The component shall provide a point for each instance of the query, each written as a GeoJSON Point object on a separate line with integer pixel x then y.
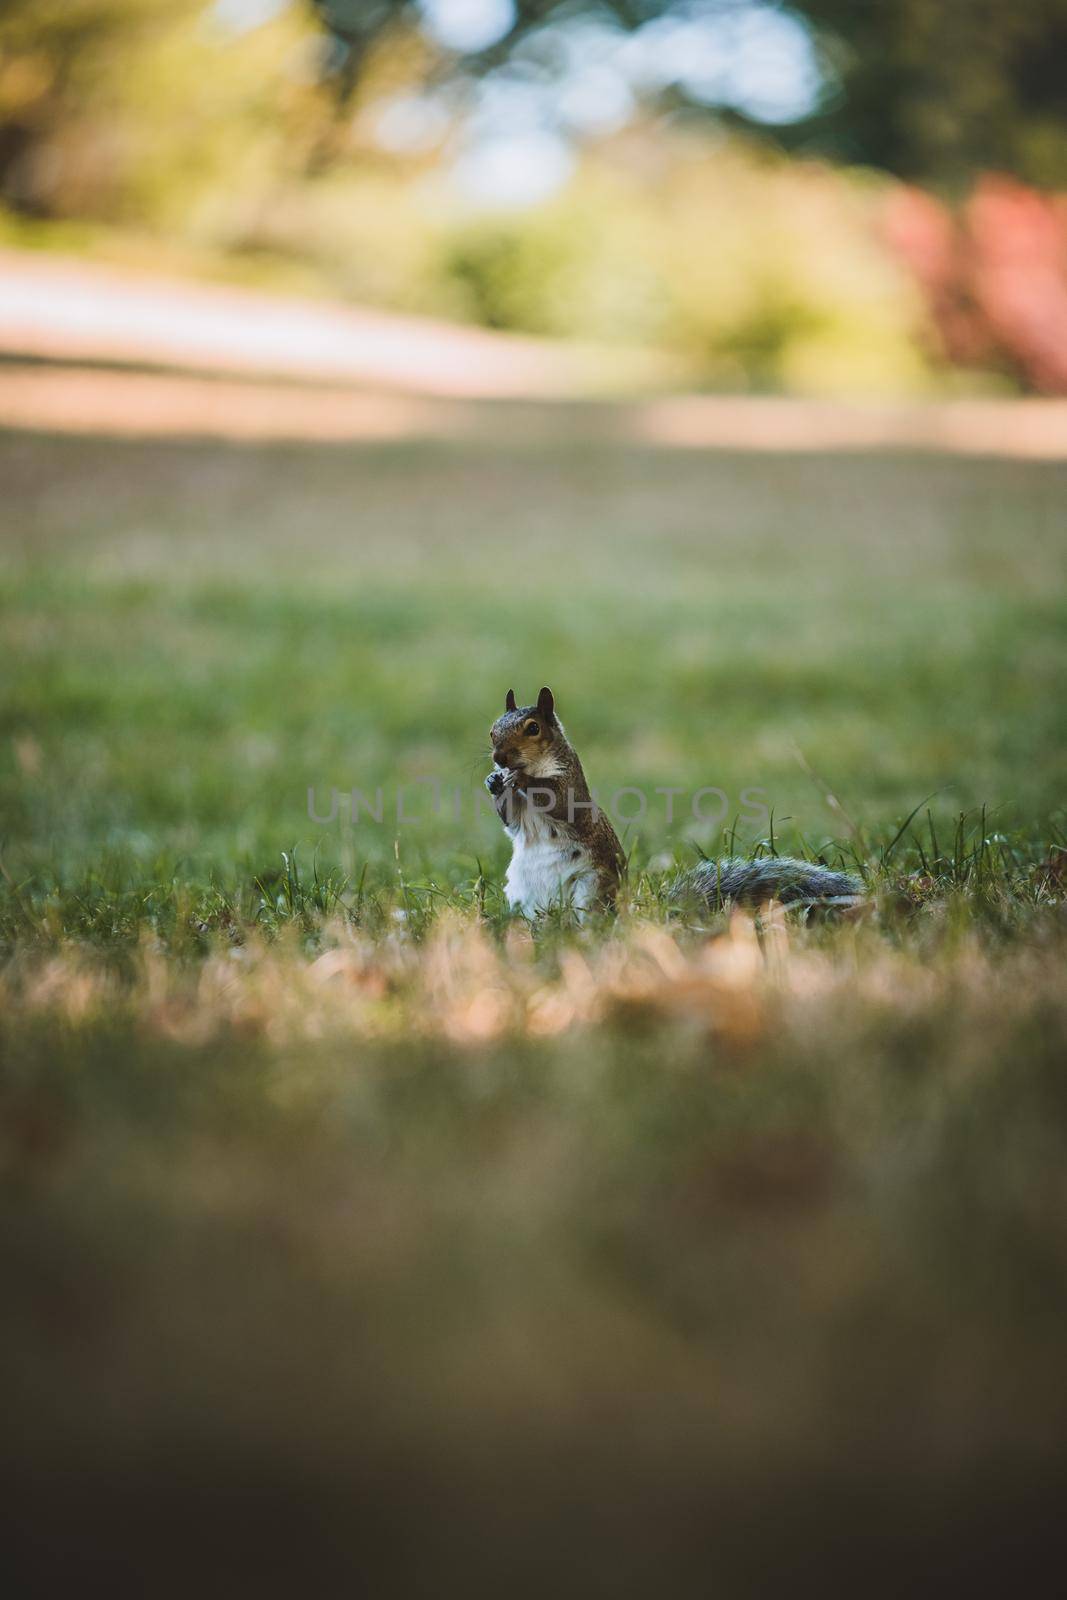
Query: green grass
{"type": "Point", "coordinates": [355, 1227]}
{"type": "Point", "coordinates": [195, 635]}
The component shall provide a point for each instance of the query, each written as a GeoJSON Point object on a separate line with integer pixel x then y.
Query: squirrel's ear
{"type": "Point", "coordinates": [509, 700]}
{"type": "Point", "coordinates": [545, 704]}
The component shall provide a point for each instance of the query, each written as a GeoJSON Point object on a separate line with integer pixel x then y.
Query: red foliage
{"type": "Point", "coordinates": [994, 275]}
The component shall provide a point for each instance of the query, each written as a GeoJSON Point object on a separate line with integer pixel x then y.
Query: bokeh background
{"type": "Point", "coordinates": [828, 198]}
{"type": "Point", "coordinates": [707, 361]}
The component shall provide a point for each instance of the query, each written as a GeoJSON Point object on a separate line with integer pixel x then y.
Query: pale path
{"type": "Point", "coordinates": [307, 370]}
{"type": "Point", "coordinates": [64, 309]}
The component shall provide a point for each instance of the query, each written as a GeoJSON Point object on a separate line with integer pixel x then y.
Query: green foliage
{"type": "Point", "coordinates": [934, 90]}
{"type": "Point", "coordinates": [938, 90]}
{"type": "Point", "coordinates": [134, 110]}
{"type": "Point", "coordinates": [128, 108]}
{"type": "Point", "coordinates": [255, 152]}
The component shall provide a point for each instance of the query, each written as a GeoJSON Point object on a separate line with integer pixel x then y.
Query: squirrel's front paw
{"type": "Point", "coordinates": [495, 783]}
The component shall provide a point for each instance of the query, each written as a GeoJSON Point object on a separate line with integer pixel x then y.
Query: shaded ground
{"type": "Point", "coordinates": [92, 400]}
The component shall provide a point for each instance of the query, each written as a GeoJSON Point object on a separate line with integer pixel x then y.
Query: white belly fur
{"type": "Point", "coordinates": [546, 872]}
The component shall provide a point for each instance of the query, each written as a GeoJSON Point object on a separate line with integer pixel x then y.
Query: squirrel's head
{"type": "Point", "coordinates": [524, 735]}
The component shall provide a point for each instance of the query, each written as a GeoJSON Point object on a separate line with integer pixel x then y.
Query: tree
{"type": "Point", "coordinates": [936, 90]}
{"type": "Point", "coordinates": [932, 90]}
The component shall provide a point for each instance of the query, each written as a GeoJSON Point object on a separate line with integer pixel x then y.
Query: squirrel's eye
{"type": "Point", "coordinates": [532, 727]}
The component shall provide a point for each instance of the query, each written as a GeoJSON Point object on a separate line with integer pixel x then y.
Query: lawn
{"type": "Point", "coordinates": [359, 1229]}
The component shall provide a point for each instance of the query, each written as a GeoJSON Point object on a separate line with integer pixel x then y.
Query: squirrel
{"type": "Point", "coordinates": [566, 852]}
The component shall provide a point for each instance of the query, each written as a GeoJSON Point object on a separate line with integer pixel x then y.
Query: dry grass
{"type": "Point", "coordinates": [609, 1248]}
{"type": "Point", "coordinates": [462, 985]}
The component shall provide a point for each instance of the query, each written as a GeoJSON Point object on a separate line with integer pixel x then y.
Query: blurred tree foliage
{"type": "Point", "coordinates": [65, 69]}
{"type": "Point", "coordinates": [760, 272]}
{"type": "Point", "coordinates": [933, 90]}
{"type": "Point", "coordinates": [937, 90]}
{"type": "Point", "coordinates": [97, 95]}
{"type": "Point", "coordinates": [129, 109]}
{"type": "Point", "coordinates": [251, 132]}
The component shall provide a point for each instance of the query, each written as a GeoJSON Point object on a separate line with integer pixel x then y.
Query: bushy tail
{"type": "Point", "coordinates": [751, 883]}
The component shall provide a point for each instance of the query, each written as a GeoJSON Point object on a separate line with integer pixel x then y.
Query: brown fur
{"type": "Point", "coordinates": [528, 737]}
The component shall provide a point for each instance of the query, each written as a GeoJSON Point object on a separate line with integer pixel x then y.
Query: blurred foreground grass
{"type": "Point", "coordinates": [355, 1235]}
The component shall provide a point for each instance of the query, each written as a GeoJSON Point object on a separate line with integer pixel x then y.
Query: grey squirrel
{"type": "Point", "coordinates": [565, 850]}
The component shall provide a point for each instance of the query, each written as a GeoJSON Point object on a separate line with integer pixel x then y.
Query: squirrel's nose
{"type": "Point", "coordinates": [501, 758]}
